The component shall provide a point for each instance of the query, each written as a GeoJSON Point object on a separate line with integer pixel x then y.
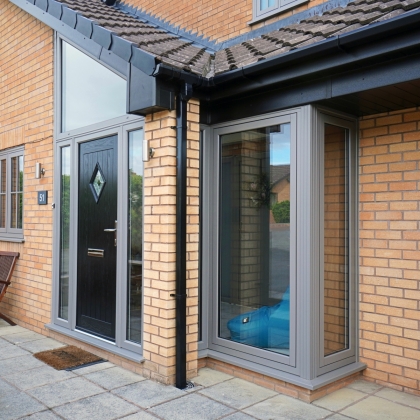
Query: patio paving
{"type": "Point", "coordinates": [31, 390]}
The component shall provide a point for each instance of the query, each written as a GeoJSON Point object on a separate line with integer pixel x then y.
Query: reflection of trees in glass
{"type": "Point", "coordinates": [136, 215]}
{"type": "Point", "coordinates": [65, 210]}
{"type": "Point", "coordinates": [281, 212]}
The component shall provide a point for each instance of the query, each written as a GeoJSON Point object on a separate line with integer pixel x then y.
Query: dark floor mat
{"type": "Point", "coordinates": [67, 357]}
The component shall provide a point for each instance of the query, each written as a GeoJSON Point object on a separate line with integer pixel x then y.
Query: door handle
{"type": "Point", "coordinates": [115, 233]}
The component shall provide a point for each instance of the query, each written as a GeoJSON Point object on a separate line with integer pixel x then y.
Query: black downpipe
{"type": "Point", "coordinates": [181, 236]}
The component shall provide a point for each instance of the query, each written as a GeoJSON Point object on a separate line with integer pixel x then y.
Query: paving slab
{"type": "Point", "coordinates": [11, 330]}
{"type": "Point", "coordinates": [338, 417]}
{"type": "Point", "coordinates": [148, 393]}
{"type": "Point", "coordinates": [339, 399]}
{"type": "Point", "coordinates": [10, 351]}
{"type": "Point", "coordinates": [239, 416]}
{"type": "Point", "coordinates": [93, 368]}
{"type": "Point", "coordinates": [399, 397]}
{"type": "Point", "coordinates": [283, 407]}
{"type": "Point", "coordinates": [19, 364]}
{"type": "Point", "coordinates": [3, 342]}
{"type": "Point", "coordinates": [192, 406]}
{"type": "Point", "coordinates": [141, 415]}
{"type": "Point", "coordinates": [208, 377]}
{"type": "Point", "coordinates": [5, 387]}
{"type": "Point", "coordinates": [98, 407]}
{"type": "Point", "coordinates": [43, 344]}
{"type": "Point", "coordinates": [40, 376]}
{"type": "Point", "coordinates": [59, 393]}
{"type": "Point", "coordinates": [43, 415]}
{"type": "Point", "coordinates": [14, 405]}
{"type": "Point", "coordinates": [375, 408]}
{"type": "Point", "coordinates": [238, 393]}
{"type": "Point", "coordinates": [23, 337]}
{"type": "Point", "coordinates": [114, 377]}
{"type": "Point", "coordinates": [364, 386]}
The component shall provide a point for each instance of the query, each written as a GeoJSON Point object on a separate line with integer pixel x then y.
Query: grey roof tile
{"type": "Point", "coordinates": [183, 54]}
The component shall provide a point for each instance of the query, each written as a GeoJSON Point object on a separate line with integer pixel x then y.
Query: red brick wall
{"type": "Point", "coordinates": [26, 118]}
{"type": "Point", "coordinates": [390, 248]}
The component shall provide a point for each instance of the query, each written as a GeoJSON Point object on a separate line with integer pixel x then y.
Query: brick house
{"type": "Point", "coordinates": [157, 127]}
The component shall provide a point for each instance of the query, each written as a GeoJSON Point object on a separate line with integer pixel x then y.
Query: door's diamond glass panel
{"type": "Point", "coordinates": [97, 182]}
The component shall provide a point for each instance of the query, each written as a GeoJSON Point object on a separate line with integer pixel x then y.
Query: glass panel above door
{"type": "Point", "coordinates": [336, 236]}
{"type": "Point", "coordinates": [253, 301]}
{"type": "Point", "coordinates": [91, 93]}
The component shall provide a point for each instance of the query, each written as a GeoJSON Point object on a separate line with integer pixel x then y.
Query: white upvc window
{"type": "Point", "coordinates": [263, 9]}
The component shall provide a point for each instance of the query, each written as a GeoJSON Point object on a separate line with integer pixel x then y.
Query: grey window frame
{"type": "Point", "coordinates": [8, 233]}
{"type": "Point", "coordinates": [279, 7]}
{"type": "Point", "coordinates": [310, 368]}
{"type": "Point", "coordinates": [333, 361]}
{"type": "Point", "coordinates": [119, 126]}
{"type": "Point", "coordinates": [232, 349]}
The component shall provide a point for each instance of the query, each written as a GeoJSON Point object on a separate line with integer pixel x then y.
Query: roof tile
{"type": "Point", "coordinates": [182, 54]}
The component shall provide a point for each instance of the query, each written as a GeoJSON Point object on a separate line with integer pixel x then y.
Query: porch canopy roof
{"type": "Point", "coordinates": [362, 58]}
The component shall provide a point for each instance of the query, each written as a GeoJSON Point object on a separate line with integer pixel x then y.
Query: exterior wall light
{"type": "Point", "coordinates": [148, 152]}
{"type": "Point", "coordinates": [39, 171]}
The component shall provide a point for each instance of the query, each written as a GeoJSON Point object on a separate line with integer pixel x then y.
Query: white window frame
{"type": "Point", "coordinates": [280, 6]}
{"type": "Point", "coordinates": [8, 233]}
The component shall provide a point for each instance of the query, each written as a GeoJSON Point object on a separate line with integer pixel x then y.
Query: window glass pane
{"type": "Point", "coordinates": [336, 272]}
{"type": "Point", "coordinates": [63, 304]}
{"type": "Point", "coordinates": [3, 193]}
{"type": "Point", "coordinates": [200, 249]}
{"type": "Point", "coordinates": [265, 4]}
{"type": "Point", "coordinates": [255, 238]}
{"type": "Point", "coordinates": [91, 93]}
{"type": "Point", "coordinates": [16, 192]}
{"type": "Point", "coordinates": [135, 235]}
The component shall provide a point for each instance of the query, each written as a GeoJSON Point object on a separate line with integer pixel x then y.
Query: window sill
{"type": "Point", "coordinates": [312, 385]}
{"type": "Point", "coordinates": [272, 13]}
{"type": "Point", "coordinates": [11, 239]}
{"type": "Point", "coordinates": [101, 344]}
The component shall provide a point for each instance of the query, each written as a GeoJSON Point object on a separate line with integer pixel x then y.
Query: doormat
{"type": "Point", "coordinates": [67, 358]}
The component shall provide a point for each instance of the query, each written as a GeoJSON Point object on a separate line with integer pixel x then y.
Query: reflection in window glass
{"type": "Point", "coordinates": [255, 238]}
{"type": "Point", "coordinates": [64, 233]}
{"type": "Point", "coordinates": [91, 93]}
{"type": "Point", "coordinates": [265, 4]}
{"type": "Point", "coordinates": [135, 235]}
{"type": "Point", "coordinates": [3, 193]}
{"type": "Point", "coordinates": [16, 192]}
{"type": "Point", "coordinates": [336, 272]}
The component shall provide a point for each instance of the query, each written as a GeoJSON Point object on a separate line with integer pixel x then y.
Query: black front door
{"type": "Point", "coordinates": [97, 246]}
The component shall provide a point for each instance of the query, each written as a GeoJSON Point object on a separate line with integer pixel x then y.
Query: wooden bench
{"type": "Point", "coordinates": [7, 265]}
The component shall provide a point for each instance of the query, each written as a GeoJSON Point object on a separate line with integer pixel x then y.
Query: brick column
{"type": "Point", "coordinates": [159, 245]}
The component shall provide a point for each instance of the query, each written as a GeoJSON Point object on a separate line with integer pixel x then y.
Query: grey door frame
{"type": "Point", "coordinates": [120, 126]}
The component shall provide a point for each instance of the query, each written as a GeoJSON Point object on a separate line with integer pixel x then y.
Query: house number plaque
{"type": "Point", "coordinates": [42, 197]}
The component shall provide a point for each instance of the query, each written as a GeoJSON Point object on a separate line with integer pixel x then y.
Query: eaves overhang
{"type": "Point", "coordinates": [318, 67]}
{"type": "Point", "coordinates": [377, 44]}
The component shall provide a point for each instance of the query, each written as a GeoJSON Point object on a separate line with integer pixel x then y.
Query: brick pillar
{"type": "Point", "coordinates": [159, 245]}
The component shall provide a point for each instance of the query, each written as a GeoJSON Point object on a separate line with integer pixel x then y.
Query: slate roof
{"type": "Point", "coordinates": [186, 55]}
